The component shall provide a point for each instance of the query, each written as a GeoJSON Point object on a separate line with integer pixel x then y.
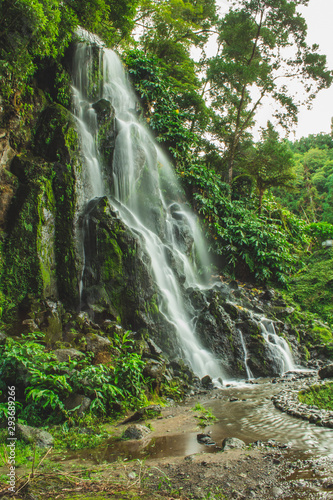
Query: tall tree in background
{"type": "Point", "coordinates": [269, 163]}
{"type": "Point", "coordinates": [261, 49]}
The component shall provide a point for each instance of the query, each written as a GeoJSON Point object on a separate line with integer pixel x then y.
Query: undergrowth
{"type": "Point", "coordinates": [43, 384]}
{"type": "Point", "coordinates": [318, 395]}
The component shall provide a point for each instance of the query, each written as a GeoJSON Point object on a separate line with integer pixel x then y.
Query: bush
{"type": "Point", "coordinates": [43, 384]}
{"type": "Point", "coordinates": [264, 247]}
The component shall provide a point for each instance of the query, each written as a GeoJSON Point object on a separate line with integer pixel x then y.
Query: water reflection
{"type": "Point", "coordinates": [251, 416]}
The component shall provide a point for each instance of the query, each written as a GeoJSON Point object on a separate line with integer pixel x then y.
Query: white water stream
{"type": "Point", "coordinates": [138, 159]}
{"type": "Point", "coordinates": [143, 188]}
{"type": "Point", "coordinates": [277, 346]}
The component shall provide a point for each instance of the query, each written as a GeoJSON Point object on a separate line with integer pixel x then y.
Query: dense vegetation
{"type": "Point", "coordinates": [318, 395]}
{"type": "Point", "coordinates": [265, 206]}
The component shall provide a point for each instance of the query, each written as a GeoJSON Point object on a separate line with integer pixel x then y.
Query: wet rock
{"type": "Point", "coordinates": [232, 443]}
{"type": "Point", "coordinates": [268, 295]}
{"type": "Point", "coordinates": [136, 432]}
{"type": "Point", "coordinates": [154, 349]}
{"type": "Point", "coordinates": [205, 439]}
{"type": "Point", "coordinates": [326, 371]}
{"type": "Point", "coordinates": [63, 355]}
{"type": "Point", "coordinates": [42, 438]}
{"type": "Point", "coordinates": [78, 401]}
{"type": "Point", "coordinates": [233, 285]}
{"type": "Point", "coordinates": [207, 382]}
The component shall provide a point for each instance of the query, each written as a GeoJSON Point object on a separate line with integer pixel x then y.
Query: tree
{"type": "Point", "coordinates": [170, 28]}
{"type": "Point", "coordinates": [270, 163]}
{"type": "Point", "coordinates": [261, 45]}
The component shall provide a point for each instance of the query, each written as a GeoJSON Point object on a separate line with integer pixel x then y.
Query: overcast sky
{"type": "Point", "coordinates": [319, 18]}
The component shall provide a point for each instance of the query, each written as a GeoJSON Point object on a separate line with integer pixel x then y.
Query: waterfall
{"type": "Point", "coordinates": [246, 357]}
{"type": "Point", "coordinates": [278, 347]}
{"type": "Point", "coordinates": [143, 188]}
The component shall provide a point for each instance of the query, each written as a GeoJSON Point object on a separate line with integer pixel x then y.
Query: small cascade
{"type": "Point", "coordinates": [142, 187]}
{"type": "Point", "coordinates": [246, 357]}
{"type": "Point", "coordinates": [278, 347]}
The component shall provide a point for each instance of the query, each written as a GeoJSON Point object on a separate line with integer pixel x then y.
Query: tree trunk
{"type": "Point", "coordinates": [261, 194]}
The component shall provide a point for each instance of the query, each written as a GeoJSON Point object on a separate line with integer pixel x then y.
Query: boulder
{"type": "Point", "coordinates": [136, 432]}
{"type": "Point", "coordinates": [42, 438]}
{"type": "Point", "coordinates": [326, 371]}
{"type": "Point", "coordinates": [78, 401]}
{"type": "Point", "coordinates": [96, 343]}
{"type": "Point", "coordinates": [232, 443]}
{"type": "Point", "coordinates": [206, 382]}
{"type": "Point", "coordinates": [63, 355]}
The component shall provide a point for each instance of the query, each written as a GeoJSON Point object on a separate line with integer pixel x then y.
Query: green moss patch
{"type": "Point", "coordinates": [318, 395]}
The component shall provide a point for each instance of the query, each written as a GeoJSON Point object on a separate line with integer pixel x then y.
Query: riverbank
{"type": "Point", "coordinates": [174, 461]}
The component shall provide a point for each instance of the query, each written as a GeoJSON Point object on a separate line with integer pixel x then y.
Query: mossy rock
{"type": "Point", "coordinates": [29, 247]}
{"type": "Point", "coordinates": [116, 278]}
{"type": "Point", "coordinates": [56, 138]}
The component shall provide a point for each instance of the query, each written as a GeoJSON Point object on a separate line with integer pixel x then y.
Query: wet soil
{"type": "Point", "coordinates": [171, 463]}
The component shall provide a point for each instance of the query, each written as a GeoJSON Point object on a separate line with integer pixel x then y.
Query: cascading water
{"type": "Point", "coordinates": [143, 188]}
{"type": "Point", "coordinates": [246, 357]}
{"type": "Point", "coordinates": [278, 347]}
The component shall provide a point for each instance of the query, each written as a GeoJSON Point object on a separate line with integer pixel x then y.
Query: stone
{"type": "Point", "coordinates": [326, 371]}
{"type": "Point", "coordinates": [42, 438]}
{"type": "Point", "coordinates": [63, 355]}
{"type": "Point", "coordinates": [78, 401]}
{"type": "Point", "coordinates": [232, 443]}
{"type": "Point", "coordinates": [268, 295]}
{"type": "Point", "coordinates": [154, 349]}
{"type": "Point", "coordinates": [205, 439]}
{"type": "Point", "coordinates": [30, 324]}
{"type": "Point", "coordinates": [155, 371]}
{"type": "Point", "coordinates": [136, 431]}
{"type": "Point", "coordinates": [207, 382]}
{"type": "Point", "coordinates": [233, 285]}
{"type": "Point", "coordinates": [96, 343]}
{"type": "Point", "coordinates": [277, 492]}
{"type": "Point", "coordinates": [3, 338]}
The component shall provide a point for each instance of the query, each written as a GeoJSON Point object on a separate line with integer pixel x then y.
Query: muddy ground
{"type": "Point", "coordinates": [261, 471]}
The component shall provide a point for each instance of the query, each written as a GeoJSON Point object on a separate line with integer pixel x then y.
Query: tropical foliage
{"type": "Point", "coordinates": [43, 383]}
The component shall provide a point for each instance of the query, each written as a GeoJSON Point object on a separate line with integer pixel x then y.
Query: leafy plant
{"type": "Point", "coordinates": [205, 417]}
{"type": "Point", "coordinates": [43, 384]}
{"type": "Point", "coordinates": [266, 246]}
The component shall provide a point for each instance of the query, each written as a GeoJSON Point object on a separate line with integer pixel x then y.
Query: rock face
{"type": "Point", "coordinates": [326, 371]}
{"type": "Point", "coordinates": [41, 257]}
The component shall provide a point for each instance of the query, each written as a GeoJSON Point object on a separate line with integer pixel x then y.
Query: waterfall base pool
{"type": "Point", "coordinates": [285, 457]}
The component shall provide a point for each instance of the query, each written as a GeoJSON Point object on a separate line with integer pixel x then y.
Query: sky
{"type": "Point", "coordinates": [319, 17]}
